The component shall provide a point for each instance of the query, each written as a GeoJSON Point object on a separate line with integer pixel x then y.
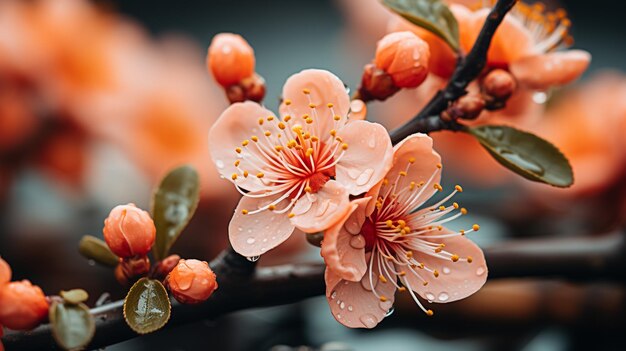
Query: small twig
{"type": "Point", "coordinates": [467, 69]}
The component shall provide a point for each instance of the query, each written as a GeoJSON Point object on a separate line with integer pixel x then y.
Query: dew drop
{"type": "Point", "coordinates": [365, 177]}
{"type": "Point", "coordinates": [250, 230]}
{"type": "Point", "coordinates": [226, 49]}
{"type": "Point", "coordinates": [350, 308]}
{"type": "Point", "coordinates": [357, 242]}
{"type": "Point", "coordinates": [430, 296]}
{"type": "Point", "coordinates": [333, 295]}
{"type": "Point", "coordinates": [353, 173]}
{"type": "Point", "coordinates": [250, 240]}
{"type": "Point", "coordinates": [521, 161]}
{"type": "Point", "coordinates": [480, 271]}
{"type": "Point", "coordinates": [390, 312]}
{"type": "Point", "coordinates": [416, 54]}
{"type": "Point", "coordinates": [446, 270]}
{"type": "Point", "coordinates": [342, 305]}
{"type": "Point", "coordinates": [371, 142]}
{"type": "Point", "coordinates": [240, 229]}
{"type": "Point", "coordinates": [338, 302]}
{"type": "Point", "coordinates": [540, 98]}
{"type": "Point", "coordinates": [253, 258]}
{"type": "Point", "coordinates": [339, 316]}
{"type": "Point", "coordinates": [91, 262]}
{"type": "Point", "coordinates": [368, 320]}
{"type": "Point", "coordinates": [352, 227]}
{"type": "Point", "coordinates": [386, 305]}
{"type": "Point", "coordinates": [443, 296]}
{"type": "Point", "coordinates": [322, 208]}
{"type": "Point", "coordinates": [264, 240]}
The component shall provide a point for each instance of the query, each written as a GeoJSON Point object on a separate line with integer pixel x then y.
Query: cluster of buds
{"type": "Point", "coordinates": [230, 59]}
{"type": "Point", "coordinates": [401, 61]}
{"type": "Point", "coordinates": [191, 281]}
{"type": "Point", "coordinates": [23, 306]}
{"type": "Point", "coordinates": [130, 233]}
{"type": "Point", "coordinates": [496, 87]}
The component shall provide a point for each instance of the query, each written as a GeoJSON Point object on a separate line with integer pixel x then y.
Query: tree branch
{"type": "Point", "coordinates": [580, 259]}
{"type": "Point", "coordinates": [467, 69]}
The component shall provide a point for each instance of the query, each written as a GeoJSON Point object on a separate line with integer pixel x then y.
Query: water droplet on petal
{"type": "Point", "coordinates": [240, 229]}
{"type": "Point", "coordinates": [339, 316]}
{"type": "Point", "coordinates": [250, 240]}
{"type": "Point", "coordinates": [350, 308]}
{"type": "Point", "coordinates": [430, 296]}
{"type": "Point", "coordinates": [253, 258]}
{"type": "Point", "coordinates": [365, 177]}
{"type": "Point", "coordinates": [352, 227]}
{"type": "Point", "coordinates": [333, 295]}
{"type": "Point", "coordinates": [368, 320]}
{"type": "Point", "coordinates": [357, 242]}
{"type": "Point", "coordinates": [219, 164]}
{"type": "Point", "coordinates": [446, 270]}
{"type": "Point", "coordinates": [386, 305]}
{"type": "Point", "coordinates": [322, 208]}
{"type": "Point", "coordinates": [390, 312]}
{"type": "Point", "coordinates": [342, 305]}
{"type": "Point", "coordinates": [480, 270]}
{"type": "Point", "coordinates": [354, 173]}
{"type": "Point", "coordinates": [443, 296]}
{"type": "Point", "coordinates": [371, 142]}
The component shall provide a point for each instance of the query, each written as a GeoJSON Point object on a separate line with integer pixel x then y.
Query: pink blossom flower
{"type": "Point", "coordinates": [299, 170]}
{"type": "Point", "coordinates": [390, 241]}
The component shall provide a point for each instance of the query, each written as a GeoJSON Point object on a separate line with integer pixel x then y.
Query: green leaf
{"type": "Point", "coordinates": [95, 249]}
{"type": "Point", "coordinates": [147, 307]}
{"type": "Point", "coordinates": [75, 296]}
{"type": "Point", "coordinates": [72, 325]}
{"type": "Point", "coordinates": [432, 15]}
{"type": "Point", "coordinates": [526, 154]}
{"type": "Point", "coordinates": [173, 204]}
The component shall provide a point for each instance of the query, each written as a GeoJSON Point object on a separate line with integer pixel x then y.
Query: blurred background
{"type": "Point", "coordinates": [98, 99]}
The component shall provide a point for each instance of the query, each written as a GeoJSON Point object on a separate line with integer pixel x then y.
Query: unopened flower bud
{"type": "Point", "coordinates": [467, 107]}
{"type": "Point", "coordinates": [5, 272]}
{"type": "Point", "coordinates": [191, 281]}
{"type": "Point", "coordinates": [164, 267]}
{"type": "Point", "coordinates": [404, 56]}
{"type": "Point", "coordinates": [376, 84]}
{"type": "Point", "coordinates": [130, 268]}
{"type": "Point", "coordinates": [129, 231]}
{"type": "Point", "coordinates": [251, 88]}
{"type": "Point", "coordinates": [230, 59]}
{"type": "Point", "coordinates": [23, 306]}
{"type": "Point", "coordinates": [499, 85]}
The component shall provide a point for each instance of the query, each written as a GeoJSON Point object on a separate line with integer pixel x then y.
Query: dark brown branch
{"type": "Point", "coordinates": [581, 259]}
{"type": "Point", "coordinates": [468, 68]}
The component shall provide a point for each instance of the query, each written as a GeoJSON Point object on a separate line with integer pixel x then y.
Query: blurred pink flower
{"type": "Point", "coordinates": [297, 171]}
{"type": "Point", "coordinates": [390, 241]}
{"type": "Point", "coordinates": [587, 124]}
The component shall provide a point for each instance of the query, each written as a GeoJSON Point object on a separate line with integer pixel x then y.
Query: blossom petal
{"type": "Point", "coordinates": [319, 211]}
{"type": "Point", "coordinates": [323, 88]}
{"type": "Point", "coordinates": [511, 41]}
{"type": "Point", "coordinates": [353, 305]}
{"type": "Point", "coordinates": [456, 280]}
{"type": "Point", "coordinates": [419, 149]}
{"type": "Point", "coordinates": [254, 234]}
{"type": "Point", "coordinates": [556, 68]}
{"type": "Point", "coordinates": [368, 157]}
{"type": "Point", "coordinates": [237, 123]}
{"type": "Point", "coordinates": [343, 247]}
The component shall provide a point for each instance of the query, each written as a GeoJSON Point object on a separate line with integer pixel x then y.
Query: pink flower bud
{"type": "Point", "coordinates": [23, 306]}
{"type": "Point", "coordinates": [230, 59]}
{"type": "Point", "coordinates": [5, 272]}
{"type": "Point", "coordinates": [129, 231]}
{"type": "Point", "coordinates": [191, 281]}
{"type": "Point", "coordinates": [404, 56]}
